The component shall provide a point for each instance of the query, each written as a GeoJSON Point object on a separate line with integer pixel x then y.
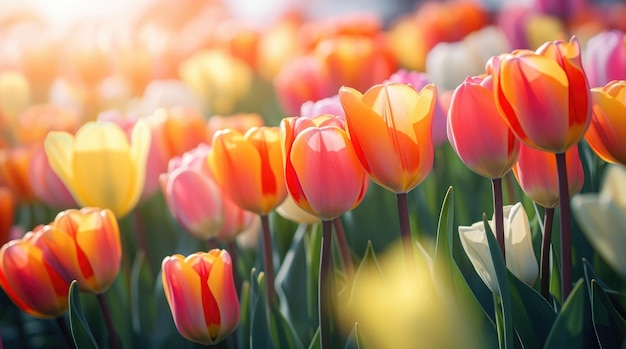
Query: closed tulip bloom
{"type": "Point", "coordinates": [544, 95]}
{"type": "Point", "coordinates": [85, 246]}
{"type": "Point", "coordinates": [605, 57]}
{"type": "Point", "coordinates": [99, 166]}
{"type": "Point", "coordinates": [602, 217]}
{"type": "Point", "coordinates": [536, 174]}
{"type": "Point", "coordinates": [477, 131]}
{"type": "Point", "coordinates": [30, 279]}
{"type": "Point", "coordinates": [201, 293]}
{"type": "Point", "coordinates": [310, 145]}
{"type": "Point", "coordinates": [45, 183]}
{"type": "Point", "coordinates": [196, 200]}
{"type": "Point", "coordinates": [249, 167]}
{"type": "Point", "coordinates": [608, 123]}
{"type": "Point", "coordinates": [390, 127]}
{"type": "Point", "coordinates": [520, 257]}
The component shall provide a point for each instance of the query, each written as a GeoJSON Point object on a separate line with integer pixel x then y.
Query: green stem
{"type": "Point", "coordinates": [545, 253]}
{"type": "Point", "coordinates": [65, 331]}
{"type": "Point", "coordinates": [500, 326]}
{"type": "Point", "coordinates": [344, 250]}
{"type": "Point", "coordinates": [405, 230]}
{"type": "Point", "coordinates": [106, 314]}
{"type": "Point", "coordinates": [564, 219]}
{"type": "Point", "coordinates": [323, 295]}
{"type": "Point", "coordinates": [268, 266]}
{"type": "Point", "coordinates": [499, 214]}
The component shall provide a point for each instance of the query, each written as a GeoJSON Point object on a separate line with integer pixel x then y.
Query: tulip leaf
{"type": "Point", "coordinates": [354, 339]}
{"type": "Point", "coordinates": [609, 325]}
{"type": "Point", "coordinates": [505, 318]}
{"type": "Point", "coordinates": [143, 311]}
{"type": "Point", "coordinates": [448, 276]}
{"type": "Point", "coordinates": [315, 342]}
{"type": "Point", "coordinates": [243, 330]}
{"type": "Point", "coordinates": [259, 329]}
{"type": "Point", "coordinates": [78, 321]}
{"type": "Point", "coordinates": [532, 314]}
{"type": "Point", "coordinates": [283, 333]}
{"type": "Point", "coordinates": [573, 327]}
{"type": "Point", "coordinates": [295, 280]}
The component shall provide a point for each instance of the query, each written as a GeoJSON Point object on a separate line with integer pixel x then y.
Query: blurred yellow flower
{"type": "Point", "coordinates": [99, 166]}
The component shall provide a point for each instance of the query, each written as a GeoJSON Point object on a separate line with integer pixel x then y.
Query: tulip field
{"type": "Point", "coordinates": [186, 175]}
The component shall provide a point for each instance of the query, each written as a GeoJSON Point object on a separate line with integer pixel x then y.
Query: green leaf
{"type": "Point", "coordinates": [573, 327]}
{"type": "Point", "coordinates": [609, 325]}
{"type": "Point", "coordinates": [354, 340]}
{"type": "Point", "coordinates": [532, 315]}
{"type": "Point", "coordinates": [367, 264]}
{"type": "Point", "coordinates": [78, 322]}
{"type": "Point", "coordinates": [503, 284]}
{"type": "Point", "coordinates": [449, 277]}
{"type": "Point", "coordinates": [143, 311]}
{"type": "Point", "coordinates": [243, 331]}
{"type": "Point", "coordinates": [315, 342]}
{"type": "Point", "coordinates": [283, 334]}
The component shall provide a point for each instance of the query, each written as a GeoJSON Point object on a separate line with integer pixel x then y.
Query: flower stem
{"type": "Point", "coordinates": [323, 295]}
{"type": "Point", "coordinates": [564, 219]}
{"type": "Point", "coordinates": [65, 331]}
{"type": "Point", "coordinates": [545, 253]}
{"type": "Point", "coordinates": [343, 247]}
{"type": "Point", "coordinates": [268, 266]}
{"type": "Point", "coordinates": [498, 211]}
{"type": "Point", "coordinates": [104, 308]}
{"type": "Point", "coordinates": [405, 230]}
{"type": "Point", "coordinates": [500, 327]}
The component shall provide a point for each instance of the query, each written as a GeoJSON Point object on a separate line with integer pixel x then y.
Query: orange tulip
{"type": "Point", "coordinates": [309, 146]}
{"type": "Point", "coordinates": [536, 173]}
{"type": "Point", "coordinates": [7, 213]}
{"type": "Point", "coordinates": [608, 124]}
{"type": "Point", "coordinates": [31, 279]}
{"type": "Point", "coordinates": [14, 169]}
{"type": "Point", "coordinates": [544, 95]}
{"type": "Point", "coordinates": [201, 293]}
{"type": "Point", "coordinates": [390, 128]}
{"type": "Point", "coordinates": [86, 247]}
{"type": "Point", "coordinates": [250, 167]}
{"type": "Point", "coordinates": [477, 132]}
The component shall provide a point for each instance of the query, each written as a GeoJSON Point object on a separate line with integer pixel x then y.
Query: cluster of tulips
{"type": "Point", "coordinates": [105, 193]}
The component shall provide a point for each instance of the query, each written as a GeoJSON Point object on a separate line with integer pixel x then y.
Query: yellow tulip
{"type": "Point", "coordinates": [99, 166]}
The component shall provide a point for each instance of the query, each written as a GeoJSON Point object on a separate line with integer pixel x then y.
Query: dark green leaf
{"type": "Point", "coordinates": [315, 342]}
{"type": "Point", "coordinates": [78, 322]}
{"type": "Point", "coordinates": [573, 327]}
{"type": "Point", "coordinates": [609, 325]}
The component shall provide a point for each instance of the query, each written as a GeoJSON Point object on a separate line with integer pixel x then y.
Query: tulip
{"type": "Point", "coordinates": [178, 129]}
{"type": "Point", "coordinates": [302, 79]}
{"type": "Point", "coordinates": [328, 105]}
{"type": "Point", "coordinates": [30, 279]}
{"type": "Point", "coordinates": [200, 291]}
{"type": "Point", "coordinates": [196, 200]}
{"type": "Point", "coordinates": [35, 122]}
{"type": "Point", "coordinates": [608, 126]}
{"type": "Point", "coordinates": [601, 217]}
{"type": "Point", "coordinates": [249, 167]}
{"type": "Point", "coordinates": [99, 166]}
{"type": "Point", "coordinates": [605, 58]}
{"type": "Point", "coordinates": [477, 132]}
{"type": "Point", "coordinates": [291, 211]}
{"type": "Point", "coordinates": [85, 246]}
{"type": "Point", "coordinates": [536, 174]}
{"type": "Point", "coordinates": [14, 170]}
{"type": "Point", "coordinates": [240, 122]}
{"type": "Point", "coordinates": [45, 183]}
{"type": "Point", "coordinates": [7, 213]}
{"type": "Point", "coordinates": [310, 145]}
{"type": "Point", "coordinates": [520, 257]}
{"type": "Point", "coordinates": [390, 127]}
{"type": "Point", "coordinates": [418, 81]}
{"type": "Point", "coordinates": [544, 95]}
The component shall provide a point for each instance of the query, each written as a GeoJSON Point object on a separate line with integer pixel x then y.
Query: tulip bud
{"type": "Point", "coordinates": [201, 293]}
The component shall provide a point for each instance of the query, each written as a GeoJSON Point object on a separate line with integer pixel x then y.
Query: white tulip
{"type": "Point", "coordinates": [520, 257]}
{"type": "Point", "coordinates": [602, 217]}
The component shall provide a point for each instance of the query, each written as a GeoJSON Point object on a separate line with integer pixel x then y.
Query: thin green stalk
{"type": "Point", "coordinates": [499, 213]}
{"type": "Point", "coordinates": [545, 253]}
{"type": "Point", "coordinates": [564, 219]}
{"type": "Point", "coordinates": [497, 305]}
{"type": "Point", "coordinates": [268, 266]}
{"type": "Point", "coordinates": [323, 295]}
{"type": "Point", "coordinates": [405, 231]}
{"type": "Point", "coordinates": [114, 341]}
{"type": "Point", "coordinates": [344, 250]}
{"type": "Point", "coordinates": [65, 331]}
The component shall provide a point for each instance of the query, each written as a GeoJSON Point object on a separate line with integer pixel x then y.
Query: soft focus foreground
{"type": "Point", "coordinates": [310, 175]}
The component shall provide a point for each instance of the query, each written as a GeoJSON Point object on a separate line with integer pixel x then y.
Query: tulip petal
{"type": "Point", "coordinates": [59, 148]}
